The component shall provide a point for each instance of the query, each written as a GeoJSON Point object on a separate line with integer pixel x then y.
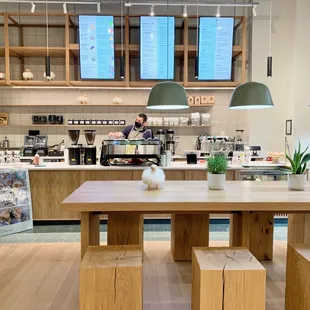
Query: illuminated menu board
{"type": "Point", "coordinates": [157, 47]}
{"type": "Point", "coordinates": [215, 48]}
{"type": "Point", "coordinates": [96, 35]}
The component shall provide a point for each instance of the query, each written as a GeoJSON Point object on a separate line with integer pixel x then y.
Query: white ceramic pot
{"type": "Point", "coordinates": [297, 182]}
{"type": "Point", "coordinates": [216, 181]}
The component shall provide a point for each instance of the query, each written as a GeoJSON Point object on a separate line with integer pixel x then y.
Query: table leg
{"type": "Point", "coordinates": [188, 231]}
{"type": "Point", "coordinates": [125, 229]}
{"type": "Point", "coordinates": [253, 230]}
{"type": "Point", "coordinates": [90, 230]}
{"type": "Point", "coordinates": [299, 228]}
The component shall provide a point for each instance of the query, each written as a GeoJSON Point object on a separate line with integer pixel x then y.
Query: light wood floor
{"type": "Point", "coordinates": [45, 276]}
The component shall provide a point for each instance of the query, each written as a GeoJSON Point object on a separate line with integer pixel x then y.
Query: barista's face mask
{"type": "Point", "coordinates": [138, 124]}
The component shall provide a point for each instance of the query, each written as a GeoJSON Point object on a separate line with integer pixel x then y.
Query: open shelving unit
{"type": "Point", "coordinates": [107, 126]}
{"type": "Point", "coordinates": [68, 52]}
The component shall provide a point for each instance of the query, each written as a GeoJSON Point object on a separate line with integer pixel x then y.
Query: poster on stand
{"type": "Point", "coordinates": [15, 201]}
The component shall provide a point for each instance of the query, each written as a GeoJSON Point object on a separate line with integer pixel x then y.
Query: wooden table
{"type": "Point", "coordinates": [252, 205]}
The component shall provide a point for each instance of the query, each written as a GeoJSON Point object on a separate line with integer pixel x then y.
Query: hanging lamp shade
{"type": "Point", "coordinates": [167, 96]}
{"type": "Point", "coordinates": [251, 95]}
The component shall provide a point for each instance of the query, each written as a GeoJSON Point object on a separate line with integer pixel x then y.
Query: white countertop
{"type": "Point", "coordinates": [174, 166]}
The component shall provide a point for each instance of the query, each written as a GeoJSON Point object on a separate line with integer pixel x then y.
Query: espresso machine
{"type": "Point", "coordinates": [74, 150]}
{"type": "Point", "coordinates": [29, 146]}
{"type": "Point", "coordinates": [90, 150]}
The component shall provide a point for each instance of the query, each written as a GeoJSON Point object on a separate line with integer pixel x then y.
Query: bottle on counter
{"type": "Point", "coordinates": [163, 159]}
{"type": "Point", "coordinates": [36, 160]}
{"type": "Point", "coordinates": [6, 143]}
{"type": "Point", "coordinates": [168, 158]}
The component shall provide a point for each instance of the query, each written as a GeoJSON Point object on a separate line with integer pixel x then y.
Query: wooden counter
{"type": "Point", "coordinates": [50, 187]}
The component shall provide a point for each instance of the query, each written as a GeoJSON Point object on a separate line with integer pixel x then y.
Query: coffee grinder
{"type": "Point", "coordinates": [74, 150]}
{"type": "Point", "coordinates": [90, 150]}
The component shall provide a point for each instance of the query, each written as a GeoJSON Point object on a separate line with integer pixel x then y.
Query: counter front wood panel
{"type": "Point", "coordinates": [50, 187]}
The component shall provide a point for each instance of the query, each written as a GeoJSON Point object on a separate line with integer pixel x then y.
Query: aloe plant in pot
{"type": "Point", "coordinates": [297, 172]}
{"type": "Point", "coordinates": [217, 166]}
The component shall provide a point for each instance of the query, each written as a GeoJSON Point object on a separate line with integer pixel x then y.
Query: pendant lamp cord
{"type": "Point", "coordinates": [270, 25]}
{"type": "Point", "coordinates": [122, 30]}
{"type": "Point", "coordinates": [46, 17]}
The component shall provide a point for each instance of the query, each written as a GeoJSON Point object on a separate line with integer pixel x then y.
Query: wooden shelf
{"type": "Point", "coordinates": [37, 83]}
{"type": "Point", "coordinates": [1, 51]}
{"type": "Point", "coordinates": [2, 83]}
{"type": "Point", "coordinates": [98, 83]}
{"type": "Point", "coordinates": [107, 126]}
{"type": "Point", "coordinates": [37, 51]}
{"type": "Point", "coordinates": [213, 84]}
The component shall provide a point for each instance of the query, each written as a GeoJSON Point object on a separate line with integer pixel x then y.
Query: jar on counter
{"type": "Point", "coordinates": [110, 122]}
{"type": "Point", "coordinates": [76, 122]}
{"type": "Point", "coordinates": [87, 122]}
{"type": "Point", "coordinates": [82, 122]}
{"type": "Point", "coordinates": [93, 122]}
{"type": "Point", "coordinates": [99, 122]}
{"type": "Point", "coordinates": [70, 121]}
{"type": "Point", "coordinates": [104, 122]}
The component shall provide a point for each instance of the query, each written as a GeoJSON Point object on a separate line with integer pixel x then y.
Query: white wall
{"type": "Point", "coordinates": [267, 127]}
{"type": "Point", "coordinates": [301, 74]}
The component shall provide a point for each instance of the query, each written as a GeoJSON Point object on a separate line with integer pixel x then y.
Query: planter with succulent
{"type": "Point", "coordinates": [297, 172]}
{"type": "Point", "coordinates": [217, 166]}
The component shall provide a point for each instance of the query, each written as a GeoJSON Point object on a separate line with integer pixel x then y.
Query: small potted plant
{"type": "Point", "coordinates": [297, 176]}
{"type": "Point", "coordinates": [217, 166]}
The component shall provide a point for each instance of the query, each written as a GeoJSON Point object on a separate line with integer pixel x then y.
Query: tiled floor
{"type": "Point", "coordinates": [152, 232]}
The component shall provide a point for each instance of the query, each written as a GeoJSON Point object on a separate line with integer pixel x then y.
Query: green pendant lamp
{"type": "Point", "coordinates": [167, 96]}
{"type": "Point", "coordinates": [251, 95]}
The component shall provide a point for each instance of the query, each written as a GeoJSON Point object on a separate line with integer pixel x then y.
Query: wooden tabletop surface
{"type": "Point", "coordinates": [186, 196]}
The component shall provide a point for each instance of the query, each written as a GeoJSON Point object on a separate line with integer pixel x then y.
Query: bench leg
{"type": "Point", "coordinates": [188, 231]}
{"type": "Point", "coordinates": [90, 230]}
{"type": "Point", "coordinates": [253, 230]}
{"type": "Point", "coordinates": [299, 228]}
{"type": "Point", "coordinates": [125, 229]}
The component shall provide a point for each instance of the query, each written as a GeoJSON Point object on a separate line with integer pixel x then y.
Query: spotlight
{"type": "Point", "coordinates": [185, 11]}
{"type": "Point", "coordinates": [98, 8]}
{"type": "Point", "coordinates": [254, 11]}
{"type": "Point", "coordinates": [33, 7]}
{"type": "Point", "coordinates": [218, 12]}
{"type": "Point", "coordinates": [64, 6]}
{"type": "Point", "coordinates": [152, 10]}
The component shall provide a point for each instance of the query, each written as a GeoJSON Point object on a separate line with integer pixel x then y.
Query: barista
{"type": "Point", "coordinates": [136, 131]}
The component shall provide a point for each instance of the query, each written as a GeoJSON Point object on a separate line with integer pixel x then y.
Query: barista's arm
{"type": "Point", "coordinates": [122, 134]}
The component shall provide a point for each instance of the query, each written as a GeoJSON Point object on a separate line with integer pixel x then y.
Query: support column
{"type": "Point", "coordinates": [90, 230]}
{"type": "Point", "coordinates": [253, 230]}
{"type": "Point", "coordinates": [188, 231]}
{"type": "Point", "coordinates": [298, 229]}
{"type": "Point", "coordinates": [125, 229]}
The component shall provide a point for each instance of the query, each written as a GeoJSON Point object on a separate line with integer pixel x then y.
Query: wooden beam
{"type": "Point", "coordinates": [127, 54]}
{"type": "Point", "coordinates": [7, 48]}
{"type": "Point", "coordinates": [67, 43]}
{"type": "Point", "coordinates": [21, 43]}
{"type": "Point", "coordinates": [238, 24]}
{"type": "Point", "coordinates": [72, 23]}
{"type": "Point", "coordinates": [13, 20]}
{"type": "Point", "coordinates": [244, 51]}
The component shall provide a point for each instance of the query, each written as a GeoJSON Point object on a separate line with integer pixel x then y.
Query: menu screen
{"type": "Point", "coordinates": [157, 47]}
{"type": "Point", "coordinates": [96, 35]}
{"type": "Point", "coordinates": [215, 48]}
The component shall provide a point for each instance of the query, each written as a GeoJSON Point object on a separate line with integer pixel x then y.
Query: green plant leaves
{"type": "Point", "coordinates": [217, 164]}
{"type": "Point", "coordinates": [299, 161]}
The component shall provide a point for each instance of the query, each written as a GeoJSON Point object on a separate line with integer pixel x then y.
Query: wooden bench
{"type": "Point", "coordinates": [227, 278]}
{"type": "Point", "coordinates": [297, 292]}
{"type": "Point", "coordinates": [111, 278]}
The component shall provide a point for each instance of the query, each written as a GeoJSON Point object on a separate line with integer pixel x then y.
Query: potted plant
{"type": "Point", "coordinates": [297, 176]}
{"type": "Point", "coordinates": [217, 166]}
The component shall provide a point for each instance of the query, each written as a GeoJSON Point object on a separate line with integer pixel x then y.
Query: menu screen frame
{"type": "Point", "coordinates": [99, 77]}
{"type": "Point", "coordinates": [170, 70]}
{"type": "Point", "coordinates": [200, 78]}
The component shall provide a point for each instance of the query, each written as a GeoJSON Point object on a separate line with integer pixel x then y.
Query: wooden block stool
{"type": "Point", "coordinates": [111, 278]}
{"type": "Point", "coordinates": [227, 279]}
{"type": "Point", "coordinates": [297, 292]}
